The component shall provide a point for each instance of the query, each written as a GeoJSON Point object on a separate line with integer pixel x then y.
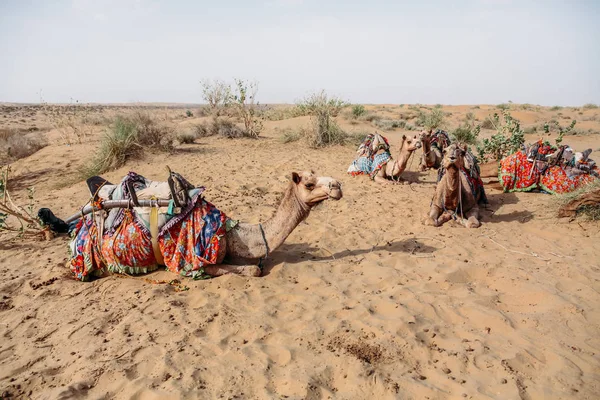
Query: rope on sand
{"type": "Point", "coordinates": [531, 254]}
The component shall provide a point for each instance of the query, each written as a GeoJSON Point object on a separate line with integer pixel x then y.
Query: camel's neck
{"type": "Point", "coordinates": [429, 156]}
{"type": "Point", "coordinates": [290, 213]}
{"type": "Point", "coordinates": [452, 187]}
{"type": "Point", "coordinates": [403, 157]}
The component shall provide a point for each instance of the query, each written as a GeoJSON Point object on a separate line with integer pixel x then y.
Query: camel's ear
{"type": "Point", "coordinates": [296, 178]}
{"type": "Point", "coordinates": [403, 137]}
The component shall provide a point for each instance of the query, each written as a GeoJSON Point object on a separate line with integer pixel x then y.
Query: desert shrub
{"type": "Point", "coordinates": [555, 108]}
{"type": "Point", "coordinates": [324, 109]}
{"type": "Point", "coordinates": [467, 132]}
{"type": "Point", "coordinates": [189, 114]}
{"type": "Point", "coordinates": [475, 108]}
{"type": "Point", "coordinates": [244, 101]}
{"type": "Point", "coordinates": [370, 117]}
{"type": "Point", "coordinates": [281, 113]}
{"type": "Point", "coordinates": [118, 145]}
{"type": "Point", "coordinates": [358, 110]}
{"type": "Point", "coordinates": [509, 138]}
{"type": "Point", "coordinates": [590, 106]}
{"type": "Point", "coordinates": [187, 137]}
{"type": "Point", "coordinates": [217, 95]}
{"type": "Point", "coordinates": [503, 106]}
{"type": "Point", "coordinates": [125, 139]}
{"type": "Point", "coordinates": [409, 127]}
{"type": "Point", "coordinates": [290, 136]}
{"type": "Point", "coordinates": [149, 132]}
{"type": "Point", "coordinates": [437, 106]}
{"type": "Point", "coordinates": [388, 124]}
{"type": "Point", "coordinates": [15, 144]}
{"type": "Point", "coordinates": [432, 119]}
{"type": "Point", "coordinates": [561, 130]}
{"type": "Point", "coordinates": [487, 123]}
{"type": "Point", "coordinates": [228, 129]}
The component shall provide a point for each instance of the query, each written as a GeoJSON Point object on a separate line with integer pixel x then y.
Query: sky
{"type": "Point", "coordinates": [430, 51]}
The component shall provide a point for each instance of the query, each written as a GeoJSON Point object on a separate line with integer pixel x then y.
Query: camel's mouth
{"type": "Point", "coordinates": [333, 193]}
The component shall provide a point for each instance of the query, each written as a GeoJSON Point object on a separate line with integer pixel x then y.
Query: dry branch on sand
{"type": "Point", "coordinates": [17, 219]}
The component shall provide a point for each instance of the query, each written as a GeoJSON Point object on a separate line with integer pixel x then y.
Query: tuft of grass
{"type": "Point", "coordinates": [590, 106]}
{"type": "Point", "coordinates": [475, 108]}
{"type": "Point", "coordinates": [289, 136]}
{"type": "Point", "coordinates": [487, 124]}
{"type": "Point", "coordinates": [118, 145]}
{"type": "Point", "coordinates": [388, 124]}
{"type": "Point", "coordinates": [503, 106]}
{"type": "Point", "coordinates": [126, 139]}
{"type": "Point", "coordinates": [187, 137]}
{"type": "Point", "coordinates": [589, 212]}
{"type": "Point", "coordinates": [555, 108]}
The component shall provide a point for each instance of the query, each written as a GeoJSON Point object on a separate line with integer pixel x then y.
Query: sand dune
{"type": "Point", "coordinates": [361, 302]}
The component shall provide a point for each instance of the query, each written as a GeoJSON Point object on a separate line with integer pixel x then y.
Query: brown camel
{"type": "Point", "coordinates": [454, 197]}
{"type": "Point", "coordinates": [434, 144]}
{"type": "Point", "coordinates": [239, 250]}
{"type": "Point", "coordinates": [246, 244]}
{"type": "Point", "coordinates": [390, 173]}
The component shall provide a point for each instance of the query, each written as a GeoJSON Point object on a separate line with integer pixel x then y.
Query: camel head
{"type": "Point", "coordinates": [410, 143]}
{"type": "Point", "coordinates": [454, 156]}
{"type": "Point", "coordinates": [312, 189]}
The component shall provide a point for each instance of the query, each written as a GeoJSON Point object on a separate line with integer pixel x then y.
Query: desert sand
{"type": "Point", "coordinates": [362, 301]}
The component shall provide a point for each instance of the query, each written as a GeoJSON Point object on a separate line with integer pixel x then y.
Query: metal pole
{"type": "Point", "coordinates": [109, 204]}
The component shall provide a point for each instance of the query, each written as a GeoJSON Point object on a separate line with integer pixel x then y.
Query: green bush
{"type": "Point", "coordinates": [590, 106]}
{"type": "Point", "coordinates": [466, 133]}
{"type": "Point", "coordinates": [509, 138]}
{"type": "Point", "coordinates": [358, 110]}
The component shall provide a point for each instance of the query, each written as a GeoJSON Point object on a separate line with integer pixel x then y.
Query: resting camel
{"type": "Point", "coordinates": [199, 238]}
{"type": "Point", "coordinates": [434, 144]}
{"type": "Point", "coordinates": [457, 194]}
{"type": "Point", "coordinates": [542, 166]}
{"type": "Point", "coordinates": [374, 159]}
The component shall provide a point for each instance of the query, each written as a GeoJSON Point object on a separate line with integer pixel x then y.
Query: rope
{"type": "Point", "coordinates": [260, 260]}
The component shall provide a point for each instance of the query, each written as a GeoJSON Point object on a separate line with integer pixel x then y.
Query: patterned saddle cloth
{"type": "Point", "coordinates": [133, 241]}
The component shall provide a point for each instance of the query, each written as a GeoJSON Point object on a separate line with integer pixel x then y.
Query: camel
{"type": "Point", "coordinates": [434, 144]}
{"type": "Point", "coordinates": [542, 166]}
{"type": "Point", "coordinates": [457, 195]}
{"type": "Point", "coordinates": [375, 159]}
{"type": "Point", "coordinates": [237, 247]}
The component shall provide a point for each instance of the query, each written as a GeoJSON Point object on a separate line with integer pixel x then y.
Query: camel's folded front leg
{"type": "Point", "coordinates": [384, 181]}
{"type": "Point", "coordinates": [436, 217]}
{"type": "Point", "coordinates": [222, 269]}
{"type": "Point", "coordinates": [472, 218]}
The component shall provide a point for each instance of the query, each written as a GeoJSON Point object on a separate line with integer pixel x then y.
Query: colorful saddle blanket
{"type": "Point", "coordinates": [520, 174]}
{"type": "Point", "coordinates": [121, 241]}
{"type": "Point", "coordinates": [367, 161]}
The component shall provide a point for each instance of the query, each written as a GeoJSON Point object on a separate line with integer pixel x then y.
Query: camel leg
{"type": "Point", "coordinates": [489, 170]}
{"type": "Point", "coordinates": [472, 220]}
{"type": "Point", "coordinates": [436, 217]}
{"type": "Point", "coordinates": [383, 181]}
{"type": "Point", "coordinates": [222, 269]}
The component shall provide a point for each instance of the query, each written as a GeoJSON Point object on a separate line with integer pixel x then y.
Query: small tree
{"type": "Point", "coordinates": [244, 101]}
{"type": "Point", "coordinates": [217, 94]}
{"type": "Point", "coordinates": [508, 139]}
{"type": "Point", "coordinates": [324, 108]}
{"type": "Point", "coordinates": [358, 110]}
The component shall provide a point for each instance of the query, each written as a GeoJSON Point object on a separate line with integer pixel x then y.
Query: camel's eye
{"type": "Point", "coordinates": [310, 186]}
{"type": "Point", "coordinates": [409, 141]}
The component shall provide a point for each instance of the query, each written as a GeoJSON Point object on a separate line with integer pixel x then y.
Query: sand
{"type": "Point", "coordinates": [362, 301]}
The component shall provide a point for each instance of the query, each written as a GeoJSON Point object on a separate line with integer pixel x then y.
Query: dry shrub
{"type": "Point", "coordinates": [187, 137]}
{"type": "Point", "coordinates": [589, 210]}
{"type": "Point", "coordinates": [15, 144]}
{"type": "Point", "coordinates": [223, 127]}
{"type": "Point", "coordinates": [126, 139]}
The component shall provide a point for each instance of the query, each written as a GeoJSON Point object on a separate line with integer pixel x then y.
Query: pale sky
{"type": "Point", "coordinates": [430, 51]}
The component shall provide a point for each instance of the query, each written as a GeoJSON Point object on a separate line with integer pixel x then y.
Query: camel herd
{"type": "Point", "coordinates": [179, 229]}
